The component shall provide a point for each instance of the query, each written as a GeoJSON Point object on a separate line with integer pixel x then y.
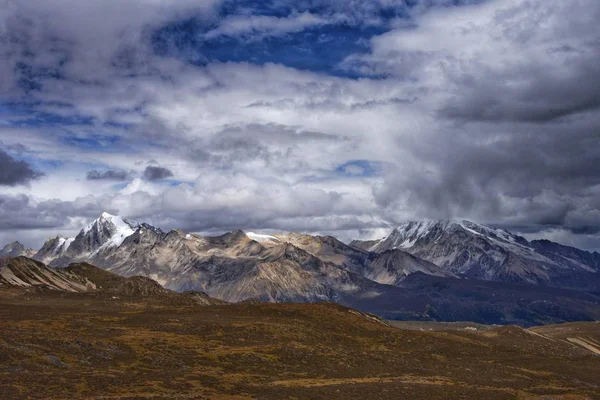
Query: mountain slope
{"type": "Point", "coordinates": [480, 252]}
{"type": "Point", "coordinates": [105, 232]}
{"type": "Point", "coordinates": [25, 273]}
{"type": "Point", "coordinates": [388, 268]}
{"type": "Point", "coordinates": [16, 249]}
{"type": "Point", "coordinates": [22, 272]}
{"type": "Point", "coordinates": [301, 268]}
{"type": "Point", "coordinates": [569, 257]}
{"type": "Point", "coordinates": [233, 266]}
{"type": "Point", "coordinates": [391, 267]}
{"type": "Point", "coordinates": [420, 297]}
{"type": "Point", "coordinates": [430, 298]}
{"type": "Point", "coordinates": [52, 249]}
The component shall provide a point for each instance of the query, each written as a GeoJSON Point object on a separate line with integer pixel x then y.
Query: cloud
{"type": "Point", "coordinates": [482, 111]}
{"type": "Point", "coordinates": [110, 175]}
{"type": "Point", "coordinates": [25, 212]}
{"type": "Point", "coordinates": [157, 173]}
{"type": "Point", "coordinates": [262, 25]}
{"type": "Point", "coordinates": [15, 172]}
{"type": "Point", "coordinates": [492, 62]}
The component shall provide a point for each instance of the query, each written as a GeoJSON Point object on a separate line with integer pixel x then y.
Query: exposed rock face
{"type": "Point", "coordinates": [480, 252]}
{"type": "Point", "coordinates": [53, 248]}
{"type": "Point", "coordinates": [419, 297]}
{"type": "Point", "coordinates": [105, 232]}
{"type": "Point", "coordinates": [26, 273]}
{"type": "Point", "coordinates": [16, 249]}
{"type": "Point", "coordinates": [233, 266]}
{"type": "Point", "coordinates": [295, 267]}
{"type": "Point", "coordinates": [390, 267]}
{"type": "Point", "coordinates": [393, 266]}
{"type": "Point", "coordinates": [569, 257]}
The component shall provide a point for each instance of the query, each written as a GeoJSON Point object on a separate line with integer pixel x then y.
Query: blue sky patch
{"type": "Point", "coordinates": [359, 169]}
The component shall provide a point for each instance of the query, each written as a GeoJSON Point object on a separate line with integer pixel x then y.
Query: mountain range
{"type": "Point", "coordinates": [444, 270]}
{"type": "Point", "coordinates": [479, 252]}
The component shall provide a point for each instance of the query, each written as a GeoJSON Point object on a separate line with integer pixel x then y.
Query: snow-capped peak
{"type": "Point", "coordinates": [407, 234]}
{"type": "Point", "coordinates": [110, 230]}
{"type": "Point", "coordinates": [118, 222]}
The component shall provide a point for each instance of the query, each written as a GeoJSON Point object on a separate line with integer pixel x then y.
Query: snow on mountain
{"type": "Point", "coordinates": [261, 237]}
{"type": "Point", "coordinates": [294, 266]}
{"type": "Point", "coordinates": [105, 232]}
{"type": "Point", "coordinates": [233, 266]}
{"type": "Point", "coordinates": [481, 252]}
{"type": "Point", "coordinates": [53, 248]}
{"type": "Point", "coordinates": [64, 244]}
{"type": "Point", "coordinates": [408, 234]}
{"type": "Point", "coordinates": [122, 229]}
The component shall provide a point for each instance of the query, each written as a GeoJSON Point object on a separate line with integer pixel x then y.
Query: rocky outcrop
{"type": "Point", "coordinates": [16, 249]}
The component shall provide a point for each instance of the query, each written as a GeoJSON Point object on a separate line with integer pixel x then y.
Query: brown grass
{"type": "Point", "coordinates": [82, 347]}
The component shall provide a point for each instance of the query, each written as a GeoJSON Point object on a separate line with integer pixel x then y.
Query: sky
{"type": "Point", "coordinates": [340, 117]}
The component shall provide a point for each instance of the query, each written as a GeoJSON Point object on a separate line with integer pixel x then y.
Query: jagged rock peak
{"type": "Point", "coordinates": [233, 237]}
{"type": "Point", "coordinates": [52, 248]}
{"type": "Point", "coordinates": [149, 227]}
{"type": "Point", "coordinates": [111, 221]}
{"type": "Point", "coordinates": [104, 232]}
{"type": "Point", "coordinates": [13, 249]}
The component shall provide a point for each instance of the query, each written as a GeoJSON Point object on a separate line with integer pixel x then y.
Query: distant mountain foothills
{"type": "Point", "coordinates": [82, 278]}
{"type": "Point", "coordinates": [427, 270]}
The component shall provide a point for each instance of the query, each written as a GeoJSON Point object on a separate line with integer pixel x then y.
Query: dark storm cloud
{"type": "Point", "coordinates": [516, 136]}
{"type": "Point", "coordinates": [157, 173]}
{"type": "Point", "coordinates": [542, 176]}
{"type": "Point", "coordinates": [537, 96]}
{"type": "Point", "coordinates": [107, 175]}
{"type": "Point", "coordinates": [15, 172]}
{"type": "Point", "coordinates": [22, 212]}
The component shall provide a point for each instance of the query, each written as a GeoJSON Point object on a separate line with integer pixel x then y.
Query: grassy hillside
{"type": "Point", "coordinates": [56, 345]}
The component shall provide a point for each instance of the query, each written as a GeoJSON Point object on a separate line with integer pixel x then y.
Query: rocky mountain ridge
{"type": "Point", "coordinates": [16, 249]}
{"type": "Point", "coordinates": [239, 266]}
{"type": "Point", "coordinates": [235, 266]}
{"type": "Point", "coordinates": [480, 252]}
